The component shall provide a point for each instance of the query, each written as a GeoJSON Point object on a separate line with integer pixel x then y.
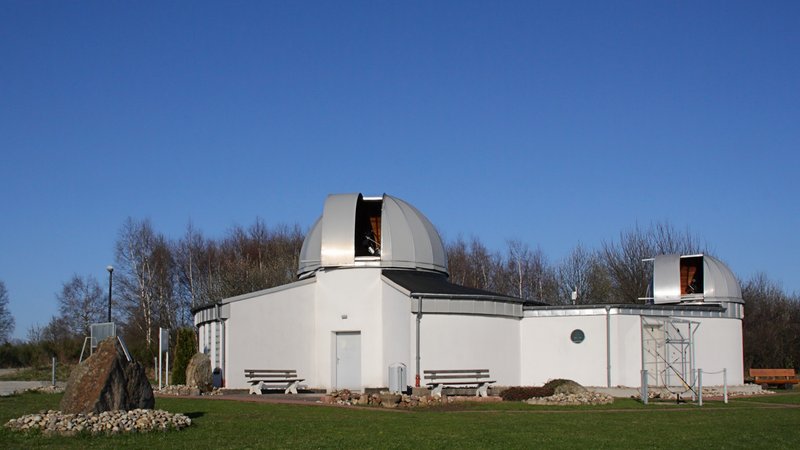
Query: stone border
{"type": "Point", "coordinates": [110, 422]}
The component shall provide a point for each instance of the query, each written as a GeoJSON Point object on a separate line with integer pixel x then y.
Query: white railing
{"type": "Point", "coordinates": [698, 385]}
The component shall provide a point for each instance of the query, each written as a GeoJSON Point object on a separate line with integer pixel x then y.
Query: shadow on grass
{"type": "Point", "coordinates": [194, 415]}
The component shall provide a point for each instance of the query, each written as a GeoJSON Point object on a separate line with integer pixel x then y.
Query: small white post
{"type": "Point", "coordinates": [163, 346]}
{"type": "Point", "coordinates": [725, 385]}
{"type": "Point", "coordinates": [166, 383]}
{"type": "Point", "coordinates": [643, 391]}
{"type": "Point", "coordinates": [54, 371]}
{"type": "Point", "coordinates": [700, 386]}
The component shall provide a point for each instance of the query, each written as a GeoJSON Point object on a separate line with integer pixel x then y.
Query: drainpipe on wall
{"type": "Point", "coordinates": [419, 319]}
{"type": "Point", "coordinates": [219, 352]}
{"type": "Point", "coordinates": [222, 344]}
{"type": "Point", "coordinates": [691, 341]}
{"type": "Point", "coordinates": [608, 346]}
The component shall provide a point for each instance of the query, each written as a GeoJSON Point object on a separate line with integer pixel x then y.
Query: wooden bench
{"type": "Point", "coordinates": [774, 377]}
{"type": "Point", "coordinates": [264, 378]}
{"type": "Point", "coordinates": [478, 378]}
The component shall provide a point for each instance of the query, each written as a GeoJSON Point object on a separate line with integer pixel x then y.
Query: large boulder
{"type": "Point", "coordinates": [107, 381]}
{"type": "Point", "coordinates": [198, 372]}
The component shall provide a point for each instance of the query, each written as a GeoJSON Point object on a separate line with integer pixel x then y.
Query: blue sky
{"type": "Point", "coordinates": [555, 123]}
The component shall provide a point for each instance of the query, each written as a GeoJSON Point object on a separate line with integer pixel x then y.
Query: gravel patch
{"type": "Point", "coordinates": [583, 398]}
{"type": "Point", "coordinates": [110, 422]}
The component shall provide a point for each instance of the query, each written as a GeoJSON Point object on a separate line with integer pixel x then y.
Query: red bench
{"type": "Point", "coordinates": [774, 377]}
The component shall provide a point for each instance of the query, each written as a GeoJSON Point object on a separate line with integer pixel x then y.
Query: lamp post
{"type": "Point", "coordinates": [110, 270]}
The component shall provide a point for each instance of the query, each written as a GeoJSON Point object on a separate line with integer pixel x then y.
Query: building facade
{"type": "Point", "coordinates": [372, 292]}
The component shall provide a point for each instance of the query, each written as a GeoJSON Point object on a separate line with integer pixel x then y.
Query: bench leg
{"type": "Point", "coordinates": [256, 388]}
{"type": "Point", "coordinates": [437, 391]}
{"type": "Point", "coordinates": [292, 388]}
{"type": "Point", "coordinates": [483, 390]}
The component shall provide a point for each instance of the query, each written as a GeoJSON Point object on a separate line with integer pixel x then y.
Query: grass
{"type": "Point", "coordinates": [761, 422]}
{"type": "Point", "coordinates": [43, 373]}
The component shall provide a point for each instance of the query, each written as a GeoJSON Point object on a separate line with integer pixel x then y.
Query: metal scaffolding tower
{"type": "Point", "coordinates": [668, 353]}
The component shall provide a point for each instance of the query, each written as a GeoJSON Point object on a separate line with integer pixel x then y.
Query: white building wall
{"type": "Point", "coordinates": [718, 345]}
{"type": "Point", "coordinates": [547, 352]}
{"type": "Point", "coordinates": [271, 331]}
{"type": "Point", "coordinates": [396, 308]}
{"type": "Point", "coordinates": [626, 350]}
{"type": "Point", "coordinates": [349, 300]}
{"type": "Point", "coordinates": [450, 341]}
{"type": "Point", "coordinates": [295, 328]}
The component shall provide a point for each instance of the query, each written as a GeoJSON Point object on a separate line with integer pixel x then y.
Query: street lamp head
{"type": "Point", "coordinates": [110, 270]}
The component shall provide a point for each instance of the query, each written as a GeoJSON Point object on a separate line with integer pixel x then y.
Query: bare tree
{"type": "Point", "coordinates": [583, 273]}
{"type": "Point", "coordinates": [60, 339]}
{"type": "Point", "coordinates": [35, 333]}
{"type": "Point", "coordinates": [146, 278]}
{"type": "Point", "coordinates": [771, 324]}
{"type": "Point", "coordinates": [519, 264]}
{"type": "Point", "coordinates": [573, 276]}
{"type": "Point", "coordinates": [527, 273]}
{"type": "Point", "coordinates": [81, 303]}
{"type": "Point", "coordinates": [457, 261]}
{"type": "Point", "coordinates": [623, 260]}
{"type": "Point", "coordinates": [164, 284]}
{"type": "Point", "coordinates": [282, 254]}
{"type": "Point", "coordinates": [245, 260]}
{"type": "Point", "coordinates": [6, 319]}
{"type": "Point", "coordinates": [471, 264]}
{"type": "Point", "coordinates": [484, 265]}
{"type": "Point", "coordinates": [188, 254]}
{"type": "Point", "coordinates": [520, 272]}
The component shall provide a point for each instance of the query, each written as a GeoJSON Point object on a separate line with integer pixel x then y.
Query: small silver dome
{"type": "Point", "coordinates": [693, 278]}
{"type": "Point", "coordinates": [358, 231]}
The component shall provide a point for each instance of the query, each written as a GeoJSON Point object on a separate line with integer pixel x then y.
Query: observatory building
{"type": "Point", "coordinates": [373, 292]}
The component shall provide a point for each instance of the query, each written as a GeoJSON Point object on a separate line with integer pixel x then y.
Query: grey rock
{"type": "Point", "coordinates": [198, 372]}
{"type": "Point", "coordinates": [570, 387]}
{"type": "Point", "coordinates": [393, 399]}
{"type": "Point", "coordinates": [107, 381]}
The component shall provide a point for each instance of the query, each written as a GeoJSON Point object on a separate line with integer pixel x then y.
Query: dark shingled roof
{"type": "Point", "coordinates": [435, 285]}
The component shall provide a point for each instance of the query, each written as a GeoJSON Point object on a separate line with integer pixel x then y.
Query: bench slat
{"type": "Point", "coordinates": [461, 383]}
{"type": "Point", "coordinates": [266, 375]}
{"type": "Point", "coordinates": [456, 371]}
{"type": "Point", "coordinates": [278, 381]}
{"type": "Point", "coordinates": [270, 374]}
{"type": "Point", "coordinates": [774, 376]}
{"type": "Point", "coordinates": [451, 377]}
{"type": "Point", "coordinates": [772, 373]}
{"type": "Point", "coordinates": [268, 371]}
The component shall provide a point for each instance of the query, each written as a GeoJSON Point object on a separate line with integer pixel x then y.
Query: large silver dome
{"type": "Point", "coordinates": [358, 231]}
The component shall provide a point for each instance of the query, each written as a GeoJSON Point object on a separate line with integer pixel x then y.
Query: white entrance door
{"type": "Point", "coordinates": [348, 361]}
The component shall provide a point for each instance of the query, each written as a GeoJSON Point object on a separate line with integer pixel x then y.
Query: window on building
{"type": "Point", "coordinates": [692, 275]}
{"type": "Point", "coordinates": [368, 227]}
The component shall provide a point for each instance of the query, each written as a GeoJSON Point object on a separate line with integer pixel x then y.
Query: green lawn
{"type": "Point", "coordinates": [762, 422]}
{"type": "Point", "coordinates": [43, 373]}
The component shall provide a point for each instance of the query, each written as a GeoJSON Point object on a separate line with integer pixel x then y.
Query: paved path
{"type": "Point", "coordinates": [8, 371]}
{"type": "Point", "coordinates": [9, 387]}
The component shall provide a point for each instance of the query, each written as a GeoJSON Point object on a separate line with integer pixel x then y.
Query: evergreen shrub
{"type": "Point", "coordinates": [185, 348]}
